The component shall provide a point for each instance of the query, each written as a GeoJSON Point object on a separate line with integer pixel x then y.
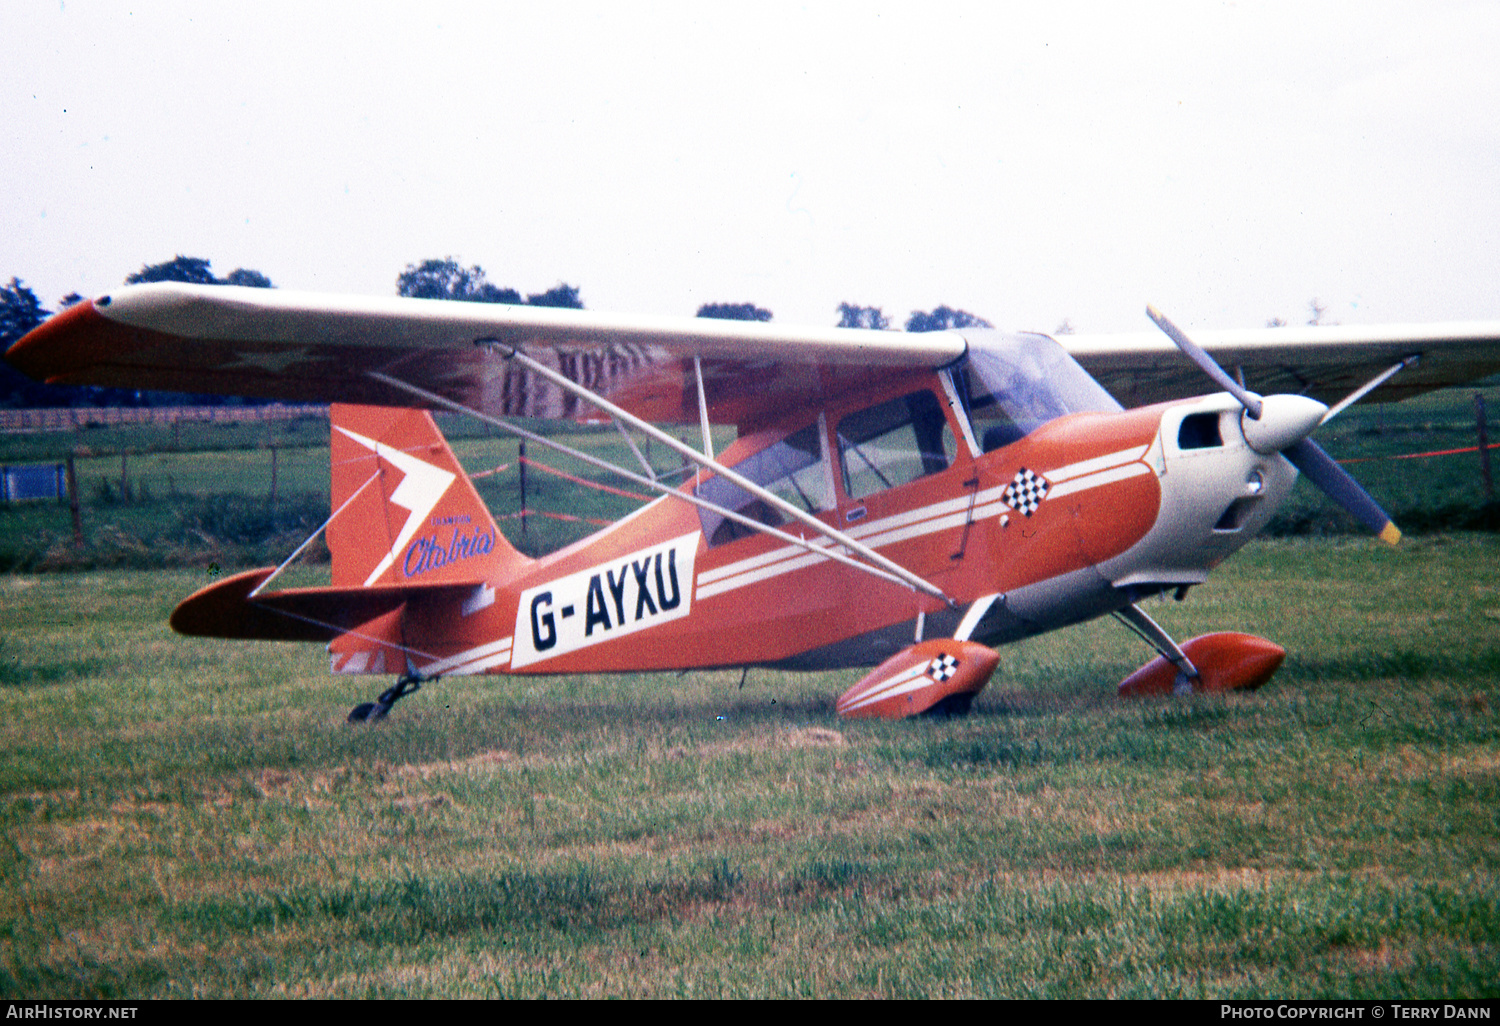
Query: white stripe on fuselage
{"type": "Point", "coordinates": [495, 653]}
{"type": "Point", "coordinates": [939, 516]}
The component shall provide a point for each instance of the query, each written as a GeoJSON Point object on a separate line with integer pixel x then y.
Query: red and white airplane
{"type": "Point", "coordinates": [895, 500]}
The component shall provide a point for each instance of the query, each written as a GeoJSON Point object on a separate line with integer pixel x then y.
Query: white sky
{"type": "Point", "coordinates": [1027, 162]}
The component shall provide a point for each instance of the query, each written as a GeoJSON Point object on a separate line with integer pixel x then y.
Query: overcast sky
{"type": "Point", "coordinates": [1028, 162]}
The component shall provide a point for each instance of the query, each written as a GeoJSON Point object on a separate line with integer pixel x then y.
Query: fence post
{"type": "Point", "coordinates": [1484, 448]}
{"type": "Point", "coordinates": [521, 470]}
{"type": "Point", "coordinates": [73, 501]}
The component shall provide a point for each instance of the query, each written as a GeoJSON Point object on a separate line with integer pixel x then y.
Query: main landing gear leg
{"type": "Point", "coordinates": [369, 712]}
{"type": "Point", "coordinates": [1188, 679]}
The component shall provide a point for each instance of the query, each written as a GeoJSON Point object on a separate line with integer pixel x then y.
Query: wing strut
{"type": "Point", "coordinates": [900, 575]}
{"type": "Point", "coordinates": [1368, 387]}
{"type": "Point", "coordinates": [640, 458]}
{"type": "Point", "coordinates": [708, 438]}
{"type": "Point", "coordinates": [310, 538]}
{"type": "Point", "coordinates": [707, 462]}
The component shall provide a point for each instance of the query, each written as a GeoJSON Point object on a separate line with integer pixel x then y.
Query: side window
{"type": "Point", "coordinates": [894, 443]}
{"type": "Point", "coordinates": [794, 469]}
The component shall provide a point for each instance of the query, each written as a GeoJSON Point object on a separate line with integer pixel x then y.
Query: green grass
{"type": "Point", "coordinates": [181, 817]}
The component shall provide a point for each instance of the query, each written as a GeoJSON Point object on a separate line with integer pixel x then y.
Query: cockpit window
{"type": "Point", "coordinates": [893, 443]}
{"type": "Point", "coordinates": [794, 469]}
{"type": "Point", "coordinates": [1010, 385]}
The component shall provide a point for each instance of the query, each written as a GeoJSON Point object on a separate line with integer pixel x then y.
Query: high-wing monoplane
{"type": "Point", "coordinates": [891, 500]}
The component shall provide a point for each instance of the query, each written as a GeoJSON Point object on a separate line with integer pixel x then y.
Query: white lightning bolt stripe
{"type": "Point", "coordinates": [357, 662]}
{"type": "Point", "coordinates": [420, 490]}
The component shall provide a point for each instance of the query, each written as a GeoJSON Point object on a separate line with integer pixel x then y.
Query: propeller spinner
{"type": "Point", "coordinates": [1282, 423]}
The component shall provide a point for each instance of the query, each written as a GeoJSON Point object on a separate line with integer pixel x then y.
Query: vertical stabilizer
{"type": "Point", "coordinates": [413, 517]}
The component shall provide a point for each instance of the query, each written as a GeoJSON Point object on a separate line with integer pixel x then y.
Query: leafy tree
{"type": "Point", "coordinates": [559, 295]}
{"type": "Point", "coordinates": [196, 271]}
{"type": "Point", "coordinates": [734, 312]}
{"type": "Point", "coordinates": [487, 293]}
{"type": "Point", "coordinates": [20, 311]}
{"type": "Point", "coordinates": [851, 316]}
{"type": "Point", "coordinates": [446, 279]}
{"type": "Point", "coordinates": [193, 270]}
{"type": "Point", "coordinates": [943, 318]}
{"type": "Point", "coordinates": [248, 279]}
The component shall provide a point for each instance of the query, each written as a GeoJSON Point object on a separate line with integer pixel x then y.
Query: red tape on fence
{"type": "Point", "coordinates": [556, 516]}
{"type": "Point", "coordinates": [1420, 455]}
{"type": "Point", "coordinates": [562, 474]}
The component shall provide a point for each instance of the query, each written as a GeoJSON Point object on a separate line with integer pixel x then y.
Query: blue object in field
{"type": "Point", "coordinates": [36, 481]}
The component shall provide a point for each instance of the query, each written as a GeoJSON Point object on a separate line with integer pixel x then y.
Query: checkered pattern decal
{"type": "Point", "coordinates": [1026, 492]}
{"type": "Point", "coordinates": [941, 668]}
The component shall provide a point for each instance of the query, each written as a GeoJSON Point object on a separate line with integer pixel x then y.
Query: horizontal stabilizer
{"type": "Point", "coordinates": [226, 610]}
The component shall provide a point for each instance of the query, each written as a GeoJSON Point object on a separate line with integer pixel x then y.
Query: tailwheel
{"type": "Point", "coordinates": [370, 712]}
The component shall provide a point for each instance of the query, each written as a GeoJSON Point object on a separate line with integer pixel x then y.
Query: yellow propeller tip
{"type": "Point", "coordinates": [1390, 534]}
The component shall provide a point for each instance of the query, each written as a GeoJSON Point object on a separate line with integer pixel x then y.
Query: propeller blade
{"type": "Point", "coordinates": [1249, 400]}
{"type": "Point", "coordinates": [1309, 457]}
{"type": "Point", "coordinates": [1293, 418]}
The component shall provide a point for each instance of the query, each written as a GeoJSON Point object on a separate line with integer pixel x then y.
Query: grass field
{"type": "Point", "coordinates": [188, 818]}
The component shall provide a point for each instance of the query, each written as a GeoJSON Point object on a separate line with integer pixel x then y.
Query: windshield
{"type": "Point", "coordinates": [1012, 384]}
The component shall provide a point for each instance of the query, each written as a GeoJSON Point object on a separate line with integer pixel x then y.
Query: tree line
{"type": "Point", "coordinates": [21, 310]}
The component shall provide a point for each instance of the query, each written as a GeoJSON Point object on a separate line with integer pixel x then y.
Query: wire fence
{"type": "Point", "coordinates": [73, 418]}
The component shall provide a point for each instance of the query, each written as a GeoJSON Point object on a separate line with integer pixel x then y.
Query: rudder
{"type": "Point", "coordinates": [405, 511]}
